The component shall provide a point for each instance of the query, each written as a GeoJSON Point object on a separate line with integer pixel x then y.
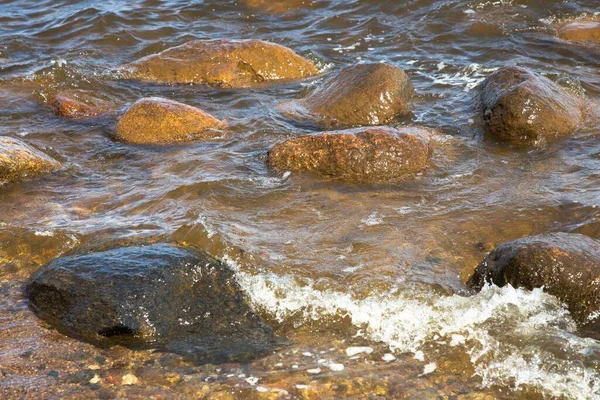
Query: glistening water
{"type": "Point", "coordinates": [331, 265]}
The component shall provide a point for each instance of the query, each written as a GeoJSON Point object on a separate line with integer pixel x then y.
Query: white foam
{"type": "Point", "coordinates": [497, 328]}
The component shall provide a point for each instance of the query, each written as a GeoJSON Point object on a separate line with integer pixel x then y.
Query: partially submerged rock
{"type": "Point", "coordinates": [224, 63]}
{"type": "Point", "coordinates": [156, 296]}
{"type": "Point", "coordinates": [588, 31]}
{"type": "Point", "coordinates": [155, 120]}
{"type": "Point", "coordinates": [363, 94]}
{"type": "Point", "coordinates": [567, 265]}
{"type": "Point", "coordinates": [18, 160]}
{"type": "Point", "coordinates": [77, 104]}
{"type": "Point", "coordinates": [278, 6]}
{"type": "Point", "coordinates": [522, 107]}
{"type": "Point", "coordinates": [378, 154]}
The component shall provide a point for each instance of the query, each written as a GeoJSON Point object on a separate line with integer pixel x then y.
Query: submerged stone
{"type": "Point", "coordinates": [156, 296]}
{"type": "Point", "coordinates": [224, 63]}
{"type": "Point", "coordinates": [278, 6]}
{"type": "Point", "coordinates": [155, 120]}
{"type": "Point", "coordinates": [77, 104]}
{"type": "Point", "coordinates": [377, 154]}
{"type": "Point", "coordinates": [580, 31]}
{"type": "Point", "coordinates": [363, 94]}
{"type": "Point", "coordinates": [522, 107]}
{"type": "Point", "coordinates": [18, 161]}
{"type": "Point", "coordinates": [566, 265]}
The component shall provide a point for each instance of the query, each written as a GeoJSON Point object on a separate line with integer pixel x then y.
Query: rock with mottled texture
{"type": "Point", "coordinates": [156, 120]}
{"type": "Point", "coordinates": [362, 155]}
{"type": "Point", "coordinates": [18, 161]}
{"type": "Point", "coordinates": [77, 104]}
{"type": "Point", "coordinates": [223, 63]}
{"type": "Point", "coordinates": [566, 265]}
{"type": "Point", "coordinates": [587, 31]}
{"type": "Point", "coordinates": [155, 296]}
{"type": "Point", "coordinates": [521, 107]}
{"type": "Point", "coordinates": [363, 94]}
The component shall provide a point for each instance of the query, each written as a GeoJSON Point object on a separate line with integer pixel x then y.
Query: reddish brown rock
{"type": "Point", "coordinates": [18, 161]}
{"type": "Point", "coordinates": [363, 94]}
{"type": "Point", "coordinates": [580, 31]}
{"type": "Point", "coordinates": [77, 104]}
{"type": "Point", "coordinates": [278, 6]}
{"type": "Point", "coordinates": [156, 120]}
{"type": "Point", "coordinates": [380, 154]}
{"type": "Point", "coordinates": [522, 107]}
{"type": "Point", "coordinates": [224, 63]}
{"type": "Point", "coordinates": [567, 265]}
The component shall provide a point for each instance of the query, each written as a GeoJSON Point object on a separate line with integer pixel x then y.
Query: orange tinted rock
{"type": "Point", "coordinates": [224, 63]}
{"type": "Point", "coordinates": [77, 104]}
{"type": "Point", "coordinates": [520, 107]}
{"type": "Point", "coordinates": [380, 154]}
{"type": "Point", "coordinates": [156, 120]}
{"type": "Point", "coordinates": [580, 31]}
{"type": "Point", "coordinates": [363, 94]}
{"type": "Point", "coordinates": [278, 6]}
{"type": "Point", "coordinates": [18, 160]}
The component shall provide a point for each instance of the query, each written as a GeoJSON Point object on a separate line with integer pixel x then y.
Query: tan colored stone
{"type": "Point", "coordinates": [580, 31]}
{"type": "Point", "coordinates": [378, 154]}
{"type": "Point", "coordinates": [18, 160]}
{"type": "Point", "coordinates": [278, 6]}
{"type": "Point", "coordinates": [223, 63]}
{"type": "Point", "coordinates": [363, 94]}
{"type": "Point", "coordinates": [156, 120]}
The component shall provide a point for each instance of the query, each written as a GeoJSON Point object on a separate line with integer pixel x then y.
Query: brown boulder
{"type": "Point", "coordinates": [380, 154]}
{"type": "Point", "coordinates": [224, 63]}
{"type": "Point", "coordinates": [77, 104]}
{"type": "Point", "coordinates": [18, 160]}
{"type": "Point", "coordinates": [520, 107]}
{"type": "Point", "coordinates": [278, 6]}
{"type": "Point", "coordinates": [155, 120]}
{"type": "Point", "coordinates": [567, 265]}
{"type": "Point", "coordinates": [363, 94]}
{"type": "Point", "coordinates": [580, 31]}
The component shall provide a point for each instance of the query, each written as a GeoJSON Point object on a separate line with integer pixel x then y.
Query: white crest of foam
{"type": "Point", "coordinates": [407, 321]}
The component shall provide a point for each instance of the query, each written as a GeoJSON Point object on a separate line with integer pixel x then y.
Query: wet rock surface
{"type": "Point", "coordinates": [567, 265]}
{"type": "Point", "coordinates": [580, 31]}
{"type": "Point", "coordinates": [223, 63]}
{"type": "Point", "coordinates": [19, 161]}
{"type": "Point", "coordinates": [278, 6]}
{"type": "Point", "coordinates": [77, 104]}
{"type": "Point", "coordinates": [378, 154]}
{"type": "Point", "coordinates": [157, 120]}
{"type": "Point", "coordinates": [156, 296]}
{"type": "Point", "coordinates": [522, 107]}
{"type": "Point", "coordinates": [363, 94]}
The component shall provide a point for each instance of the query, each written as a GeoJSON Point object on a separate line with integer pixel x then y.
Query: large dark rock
{"type": "Point", "coordinates": [368, 155]}
{"type": "Point", "coordinates": [18, 161]}
{"type": "Point", "coordinates": [567, 265]}
{"type": "Point", "coordinates": [155, 296]}
{"type": "Point", "coordinates": [363, 94]}
{"type": "Point", "coordinates": [224, 63]}
{"type": "Point", "coordinates": [522, 107]}
{"type": "Point", "coordinates": [154, 120]}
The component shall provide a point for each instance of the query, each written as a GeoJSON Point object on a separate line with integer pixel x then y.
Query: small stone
{"type": "Point", "coordinates": [388, 357]}
{"type": "Point", "coordinates": [429, 368]}
{"type": "Point", "coordinates": [314, 371]}
{"type": "Point", "coordinates": [352, 351]}
{"type": "Point", "coordinates": [336, 367]}
{"type": "Point", "coordinates": [129, 379]}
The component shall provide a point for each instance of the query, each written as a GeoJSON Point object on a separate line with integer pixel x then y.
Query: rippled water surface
{"type": "Point", "coordinates": [329, 264]}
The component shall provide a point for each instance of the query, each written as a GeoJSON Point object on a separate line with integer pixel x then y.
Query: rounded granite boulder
{"type": "Point", "coordinates": [19, 161]}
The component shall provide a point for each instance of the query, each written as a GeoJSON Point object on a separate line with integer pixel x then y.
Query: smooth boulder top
{"type": "Point", "coordinates": [588, 31]}
{"type": "Point", "coordinates": [361, 155]}
{"type": "Point", "coordinates": [567, 265]}
{"type": "Point", "coordinates": [77, 104]}
{"type": "Point", "coordinates": [359, 95]}
{"type": "Point", "coordinates": [223, 63]}
{"type": "Point", "coordinates": [156, 296]}
{"type": "Point", "coordinates": [155, 120]}
{"type": "Point", "coordinates": [522, 107]}
{"type": "Point", "coordinates": [19, 160]}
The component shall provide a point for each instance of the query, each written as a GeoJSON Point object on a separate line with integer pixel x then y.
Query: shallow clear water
{"type": "Point", "coordinates": [386, 263]}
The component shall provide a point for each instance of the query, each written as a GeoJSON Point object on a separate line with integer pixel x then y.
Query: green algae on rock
{"type": "Point", "coordinates": [566, 265]}
{"type": "Point", "coordinates": [156, 120]}
{"type": "Point", "coordinates": [363, 94]}
{"type": "Point", "coordinates": [364, 155]}
{"type": "Point", "coordinates": [521, 107]}
{"type": "Point", "coordinates": [18, 161]}
{"type": "Point", "coordinates": [155, 296]}
{"type": "Point", "coordinates": [223, 63]}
